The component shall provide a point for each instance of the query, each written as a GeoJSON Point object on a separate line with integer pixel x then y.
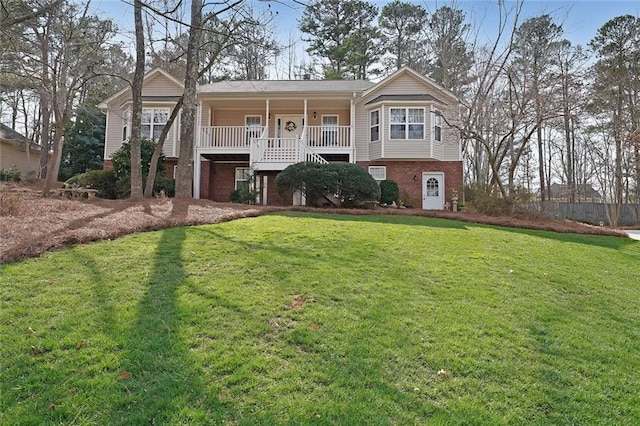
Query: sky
{"type": "Point", "coordinates": [580, 19]}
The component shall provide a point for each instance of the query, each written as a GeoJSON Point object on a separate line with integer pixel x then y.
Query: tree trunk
{"type": "Point", "coordinates": [148, 189]}
{"type": "Point", "coordinates": [136, 113]}
{"type": "Point", "coordinates": [184, 175]}
{"type": "Point", "coordinates": [44, 104]}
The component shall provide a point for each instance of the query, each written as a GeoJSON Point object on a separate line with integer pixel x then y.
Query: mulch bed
{"type": "Point", "coordinates": [31, 225]}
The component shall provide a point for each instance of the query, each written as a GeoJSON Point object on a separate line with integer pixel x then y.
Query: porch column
{"type": "Point", "coordinates": [352, 133]}
{"type": "Point", "coordinates": [197, 166]}
{"type": "Point", "coordinates": [267, 118]}
{"type": "Point", "coordinates": [196, 155]}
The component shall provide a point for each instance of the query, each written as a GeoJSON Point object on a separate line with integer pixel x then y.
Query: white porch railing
{"type": "Point", "coordinates": [329, 136]}
{"type": "Point", "coordinates": [240, 136]}
{"type": "Point", "coordinates": [229, 136]}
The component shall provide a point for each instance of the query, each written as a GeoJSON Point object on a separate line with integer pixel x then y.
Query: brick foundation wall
{"type": "Point", "coordinates": [408, 175]}
{"type": "Point", "coordinates": [220, 180]}
{"type": "Point", "coordinates": [273, 198]}
{"type": "Point", "coordinates": [204, 179]}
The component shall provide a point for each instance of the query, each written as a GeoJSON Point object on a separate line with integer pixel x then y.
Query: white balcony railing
{"type": "Point", "coordinates": [229, 136]}
{"type": "Point", "coordinates": [329, 136]}
{"type": "Point", "coordinates": [239, 137]}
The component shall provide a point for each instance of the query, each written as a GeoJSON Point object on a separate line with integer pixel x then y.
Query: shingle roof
{"type": "Point", "coordinates": [285, 86]}
{"type": "Point", "coordinates": [8, 134]}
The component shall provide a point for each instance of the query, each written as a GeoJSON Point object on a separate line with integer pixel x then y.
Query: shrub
{"type": "Point", "coordinates": [121, 160]}
{"type": "Point", "coordinates": [350, 183]}
{"type": "Point", "coordinates": [10, 175]}
{"type": "Point", "coordinates": [389, 191]}
{"type": "Point", "coordinates": [244, 196]}
{"type": "Point", "coordinates": [104, 181]}
{"type": "Point", "coordinates": [486, 199]}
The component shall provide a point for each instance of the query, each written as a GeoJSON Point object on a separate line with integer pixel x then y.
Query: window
{"type": "Point", "coordinates": [375, 125]}
{"type": "Point", "coordinates": [125, 125]}
{"type": "Point", "coordinates": [378, 172]}
{"type": "Point", "coordinates": [243, 177]}
{"type": "Point", "coordinates": [433, 188]}
{"type": "Point", "coordinates": [153, 121]}
{"type": "Point", "coordinates": [406, 123]}
{"type": "Point", "coordinates": [253, 125]}
{"type": "Point", "coordinates": [329, 129]}
{"type": "Point", "coordinates": [437, 127]}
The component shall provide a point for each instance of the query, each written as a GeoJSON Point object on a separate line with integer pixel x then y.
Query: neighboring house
{"type": "Point", "coordinates": [401, 128]}
{"type": "Point", "coordinates": [583, 192]}
{"type": "Point", "coordinates": [18, 153]}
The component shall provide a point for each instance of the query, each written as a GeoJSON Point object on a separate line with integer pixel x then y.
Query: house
{"type": "Point", "coordinates": [18, 153]}
{"type": "Point", "coordinates": [583, 192]}
{"type": "Point", "coordinates": [401, 128]}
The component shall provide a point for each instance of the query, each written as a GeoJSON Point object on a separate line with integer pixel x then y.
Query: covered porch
{"type": "Point", "coordinates": [275, 133]}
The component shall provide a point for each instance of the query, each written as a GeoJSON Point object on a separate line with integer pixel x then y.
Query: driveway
{"type": "Point", "coordinates": [633, 233]}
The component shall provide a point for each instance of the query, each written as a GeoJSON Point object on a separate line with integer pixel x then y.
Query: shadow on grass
{"type": "Point", "coordinates": [160, 382]}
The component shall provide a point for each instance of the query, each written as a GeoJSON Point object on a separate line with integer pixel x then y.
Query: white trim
{"type": "Point", "coordinates": [352, 130]}
{"type": "Point", "coordinates": [379, 168]}
{"type": "Point", "coordinates": [265, 181]}
{"type": "Point", "coordinates": [441, 188]}
{"type": "Point", "coordinates": [431, 114]}
{"type": "Point", "coordinates": [407, 124]}
{"type": "Point", "coordinates": [378, 110]}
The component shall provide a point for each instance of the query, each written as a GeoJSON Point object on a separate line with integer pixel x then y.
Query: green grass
{"type": "Point", "coordinates": [532, 327]}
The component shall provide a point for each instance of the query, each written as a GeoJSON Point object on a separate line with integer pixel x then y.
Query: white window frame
{"type": "Point", "coordinates": [243, 174]}
{"type": "Point", "coordinates": [379, 173]}
{"type": "Point", "coordinates": [126, 128]}
{"type": "Point", "coordinates": [437, 127]}
{"type": "Point", "coordinates": [252, 130]}
{"type": "Point", "coordinates": [406, 123]}
{"type": "Point", "coordinates": [371, 125]}
{"type": "Point", "coordinates": [153, 124]}
{"type": "Point", "coordinates": [330, 131]}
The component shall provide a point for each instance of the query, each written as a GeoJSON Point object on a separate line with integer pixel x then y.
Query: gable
{"type": "Point", "coordinates": [157, 84]}
{"type": "Point", "coordinates": [408, 83]}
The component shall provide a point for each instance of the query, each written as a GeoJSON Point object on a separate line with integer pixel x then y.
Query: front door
{"type": "Point", "coordinates": [433, 191]}
{"type": "Point", "coordinates": [289, 126]}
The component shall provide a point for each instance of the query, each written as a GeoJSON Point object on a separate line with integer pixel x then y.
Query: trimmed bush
{"type": "Point", "coordinates": [350, 183]}
{"type": "Point", "coordinates": [389, 191]}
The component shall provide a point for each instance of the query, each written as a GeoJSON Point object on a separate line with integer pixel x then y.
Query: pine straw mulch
{"type": "Point", "coordinates": [31, 225]}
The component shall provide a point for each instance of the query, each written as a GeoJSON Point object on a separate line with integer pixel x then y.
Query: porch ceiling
{"type": "Point", "coordinates": [276, 104]}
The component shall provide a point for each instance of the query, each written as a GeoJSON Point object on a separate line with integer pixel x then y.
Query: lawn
{"type": "Point", "coordinates": [300, 318]}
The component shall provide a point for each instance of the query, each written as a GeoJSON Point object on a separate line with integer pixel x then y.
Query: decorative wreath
{"type": "Point", "coordinates": [290, 126]}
